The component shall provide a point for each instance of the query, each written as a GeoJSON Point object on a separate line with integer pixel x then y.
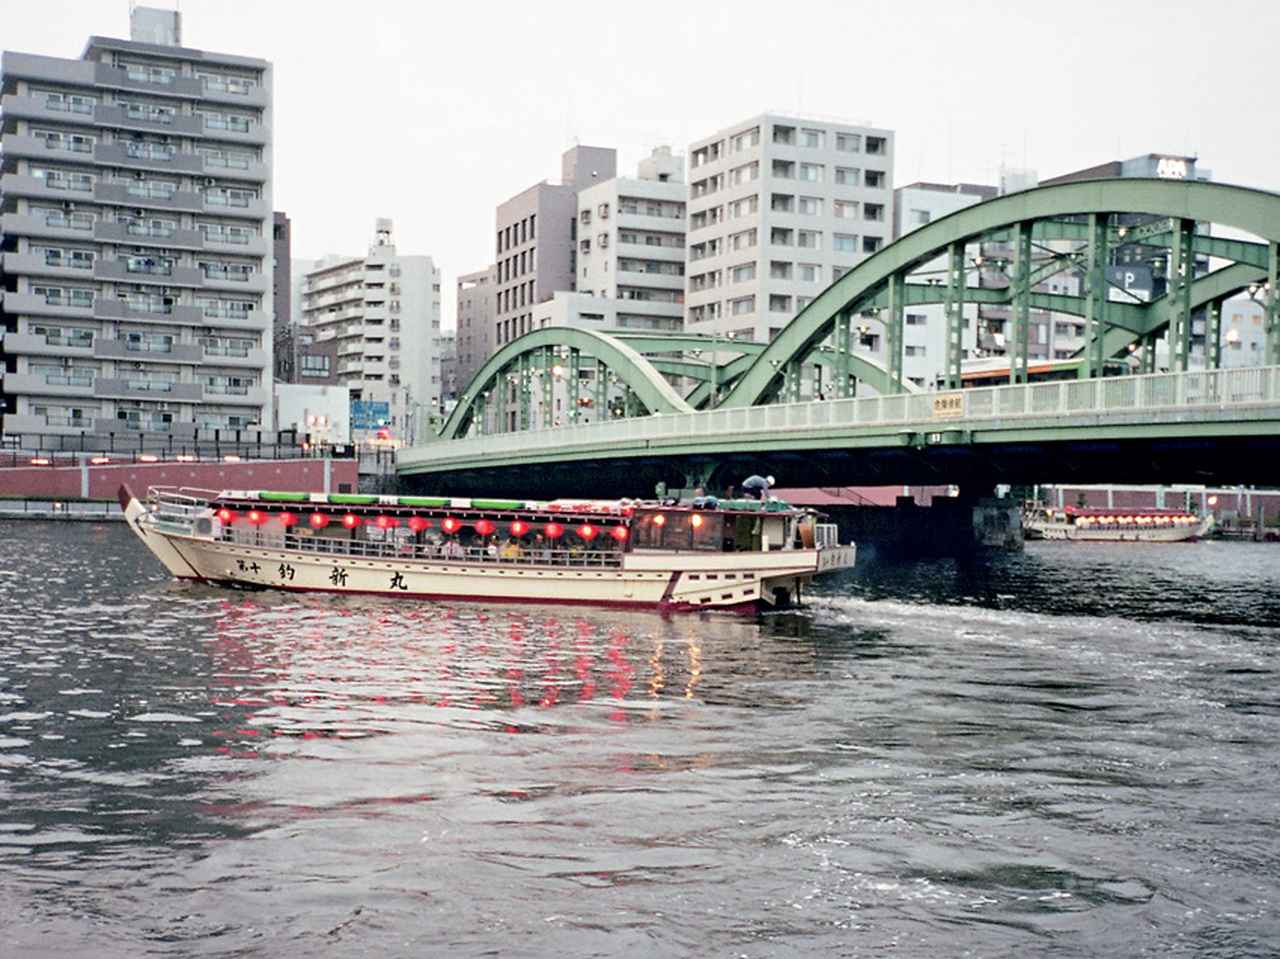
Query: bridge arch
{"type": "Point", "coordinates": [879, 282]}
{"type": "Point", "coordinates": [520, 358]}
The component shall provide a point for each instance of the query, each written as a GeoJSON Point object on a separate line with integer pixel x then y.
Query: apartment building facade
{"type": "Point", "coordinates": [535, 234]}
{"type": "Point", "coordinates": [780, 207]}
{"type": "Point", "coordinates": [136, 237]}
{"type": "Point", "coordinates": [476, 332]}
{"type": "Point", "coordinates": [382, 313]}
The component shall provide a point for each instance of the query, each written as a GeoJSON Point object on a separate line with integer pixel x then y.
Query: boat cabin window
{"type": "Point", "coordinates": [679, 529]}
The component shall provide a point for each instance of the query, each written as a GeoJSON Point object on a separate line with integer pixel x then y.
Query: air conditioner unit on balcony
{"type": "Point", "coordinates": [209, 181]}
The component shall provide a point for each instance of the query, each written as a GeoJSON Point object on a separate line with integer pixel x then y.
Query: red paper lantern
{"type": "Point", "coordinates": [587, 532]}
{"type": "Point", "coordinates": [256, 517]}
{"type": "Point", "coordinates": [619, 533]}
{"type": "Point", "coordinates": [553, 530]}
{"type": "Point", "coordinates": [288, 519]}
{"type": "Point", "coordinates": [659, 520]}
{"type": "Point", "coordinates": [519, 527]}
{"type": "Point", "coordinates": [226, 516]}
{"type": "Point", "coordinates": [418, 524]}
{"type": "Point", "coordinates": [485, 527]}
{"type": "Point", "coordinates": [318, 520]}
{"type": "Point", "coordinates": [450, 525]}
{"type": "Point", "coordinates": [386, 522]}
{"type": "Point", "coordinates": [695, 520]}
{"type": "Point", "coordinates": [350, 520]}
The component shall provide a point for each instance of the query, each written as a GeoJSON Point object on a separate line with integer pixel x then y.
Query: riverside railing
{"type": "Point", "coordinates": [1112, 396]}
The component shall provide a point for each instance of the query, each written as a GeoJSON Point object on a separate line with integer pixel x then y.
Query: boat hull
{"type": "Point", "coordinates": [659, 580]}
{"type": "Point", "coordinates": [1072, 533]}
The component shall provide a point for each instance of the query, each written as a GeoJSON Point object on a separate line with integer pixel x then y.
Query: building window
{"type": "Point", "coordinates": [848, 176]}
{"type": "Point", "coordinates": [849, 142]}
{"type": "Point", "coordinates": [313, 365]}
{"type": "Point", "coordinates": [786, 136]}
{"type": "Point", "coordinates": [874, 179]}
{"type": "Point", "coordinates": [809, 239]}
{"type": "Point", "coordinates": [810, 205]}
{"type": "Point", "coordinates": [742, 272]}
{"type": "Point", "coordinates": [779, 270]}
{"type": "Point", "coordinates": [844, 243]}
{"type": "Point", "coordinates": [845, 209]}
{"type": "Point", "coordinates": [742, 305]}
{"type": "Point", "coordinates": [877, 146]}
{"type": "Point", "coordinates": [870, 244]}
{"type": "Point", "coordinates": [917, 319]}
{"type": "Point", "coordinates": [918, 217]}
{"type": "Point", "coordinates": [811, 138]}
{"type": "Point", "coordinates": [779, 303]}
{"type": "Point", "coordinates": [811, 172]}
{"type": "Point", "coordinates": [810, 272]}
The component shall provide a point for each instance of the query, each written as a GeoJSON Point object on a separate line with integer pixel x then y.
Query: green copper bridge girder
{"type": "Point", "coordinates": [646, 385]}
{"type": "Point", "coordinates": [1022, 216]}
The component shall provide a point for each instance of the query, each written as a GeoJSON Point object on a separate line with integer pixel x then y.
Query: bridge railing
{"type": "Point", "coordinates": [1205, 389]}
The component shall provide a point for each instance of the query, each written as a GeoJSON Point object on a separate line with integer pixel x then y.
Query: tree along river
{"type": "Point", "coordinates": [1068, 752]}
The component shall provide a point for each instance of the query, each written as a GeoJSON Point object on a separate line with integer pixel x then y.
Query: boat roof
{"type": "Point", "coordinates": [577, 507]}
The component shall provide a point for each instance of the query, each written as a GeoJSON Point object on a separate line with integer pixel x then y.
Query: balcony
{"type": "Point", "coordinates": [142, 196]}
{"type": "Point", "coordinates": [235, 169]}
{"type": "Point", "coordinates": [37, 188]}
{"type": "Point", "coordinates": [253, 359]}
{"type": "Point", "coordinates": [234, 94]}
{"type": "Point", "coordinates": [115, 309]}
{"type": "Point", "coordinates": [177, 125]}
{"type": "Point", "coordinates": [62, 383]}
{"type": "Point", "coordinates": [135, 157]}
{"type": "Point", "coordinates": [50, 226]}
{"type": "Point", "coordinates": [252, 245]}
{"type": "Point", "coordinates": [237, 395]}
{"type": "Point", "coordinates": [233, 320]}
{"type": "Point", "coordinates": [39, 148]}
{"type": "Point", "coordinates": [141, 388]}
{"type": "Point", "coordinates": [105, 75]}
{"type": "Point", "coordinates": [255, 133]}
{"type": "Point", "coordinates": [29, 304]}
{"type": "Point", "coordinates": [119, 349]}
{"type": "Point", "coordinates": [119, 271]}
{"type": "Point", "coordinates": [141, 235]}
{"type": "Point", "coordinates": [39, 264]}
{"type": "Point", "coordinates": [218, 204]}
{"type": "Point", "coordinates": [29, 66]}
{"type": "Point", "coordinates": [236, 282]}
{"type": "Point", "coordinates": [33, 344]}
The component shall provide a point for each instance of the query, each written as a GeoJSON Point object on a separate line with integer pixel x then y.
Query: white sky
{"type": "Point", "coordinates": [433, 113]}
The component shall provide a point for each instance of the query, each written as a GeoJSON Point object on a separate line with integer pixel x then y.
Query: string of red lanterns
{"type": "Point", "coordinates": [449, 524]}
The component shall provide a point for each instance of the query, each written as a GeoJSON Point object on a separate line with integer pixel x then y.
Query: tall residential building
{"type": "Point", "coordinates": [281, 298]}
{"type": "Point", "coordinates": [476, 317]}
{"type": "Point", "coordinates": [135, 227]}
{"type": "Point", "coordinates": [535, 237]}
{"type": "Point", "coordinates": [383, 312]}
{"type": "Point", "coordinates": [779, 207]}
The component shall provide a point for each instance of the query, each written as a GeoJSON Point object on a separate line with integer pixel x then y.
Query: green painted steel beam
{"type": "Point", "coordinates": [1253, 211]}
{"type": "Point", "coordinates": [651, 389]}
{"type": "Point", "coordinates": [1271, 302]}
{"type": "Point", "coordinates": [1018, 339]}
{"type": "Point", "coordinates": [953, 313]}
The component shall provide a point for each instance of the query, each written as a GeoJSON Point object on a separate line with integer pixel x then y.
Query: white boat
{"type": "Point", "coordinates": [739, 554]}
{"type": "Point", "coordinates": [1084, 524]}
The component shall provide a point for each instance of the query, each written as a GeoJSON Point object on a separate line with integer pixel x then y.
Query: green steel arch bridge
{"type": "Point", "coordinates": [578, 411]}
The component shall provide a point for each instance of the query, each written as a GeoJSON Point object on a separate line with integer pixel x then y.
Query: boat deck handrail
{"type": "Point", "coordinates": [424, 552]}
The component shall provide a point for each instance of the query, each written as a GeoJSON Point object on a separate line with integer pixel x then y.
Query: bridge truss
{"type": "Point", "coordinates": [998, 255]}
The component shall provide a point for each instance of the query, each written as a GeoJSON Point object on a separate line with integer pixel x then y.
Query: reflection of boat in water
{"type": "Point", "coordinates": [743, 554]}
{"type": "Point", "coordinates": [1090, 525]}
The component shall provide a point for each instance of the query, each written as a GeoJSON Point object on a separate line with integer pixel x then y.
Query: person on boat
{"type": "Point", "coordinates": [491, 549]}
{"type": "Point", "coordinates": [453, 550]}
{"type": "Point", "coordinates": [756, 487]}
{"type": "Point", "coordinates": [510, 550]}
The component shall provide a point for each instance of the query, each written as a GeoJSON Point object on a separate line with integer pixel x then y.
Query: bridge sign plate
{"type": "Point", "coordinates": [948, 406]}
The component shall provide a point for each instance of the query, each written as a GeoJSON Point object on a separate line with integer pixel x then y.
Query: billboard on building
{"type": "Point", "coordinates": [370, 414]}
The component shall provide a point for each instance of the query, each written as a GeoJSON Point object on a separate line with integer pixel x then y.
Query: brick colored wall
{"type": "Point", "coordinates": [68, 481]}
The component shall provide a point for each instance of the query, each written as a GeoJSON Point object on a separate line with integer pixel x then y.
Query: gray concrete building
{"type": "Point", "coordinates": [535, 235]}
{"type": "Point", "coordinates": [779, 207]}
{"type": "Point", "coordinates": [475, 333]}
{"type": "Point", "coordinates": [135, 233]}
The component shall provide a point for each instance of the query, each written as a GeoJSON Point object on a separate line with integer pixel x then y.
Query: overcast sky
{"type": "Point", "coordinates": [433, 113]}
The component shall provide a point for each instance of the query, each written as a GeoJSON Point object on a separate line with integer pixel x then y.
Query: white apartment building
{"type": "Point", "coordinates": [383, 311]}
{"type": "Point", "coordinates": [779, 208]}
{"type": "Point", "coordinates": [136, 238]}
{"type": "Point", "coordinates": [631, 247]}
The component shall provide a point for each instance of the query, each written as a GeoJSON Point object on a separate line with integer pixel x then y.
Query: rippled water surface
{"type": "Point", "coordinates": [1070, 752]}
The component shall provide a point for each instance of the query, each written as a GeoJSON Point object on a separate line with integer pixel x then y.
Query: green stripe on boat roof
{"type": "Point", "coordinates": [282, 497]}
{"type": "Point", "coordinates": [431, 502]}
{"type": "Point", "coordinates": [497, 504]}
{"type": "Point", "coordinates": [352, 499]}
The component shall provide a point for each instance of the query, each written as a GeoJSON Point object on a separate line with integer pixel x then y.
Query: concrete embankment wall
{"type": "Point", "coordinates": [87, 481]}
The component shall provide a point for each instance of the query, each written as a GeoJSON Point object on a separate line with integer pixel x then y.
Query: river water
{"type": "Point", "coordinates": [1068, 752]}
